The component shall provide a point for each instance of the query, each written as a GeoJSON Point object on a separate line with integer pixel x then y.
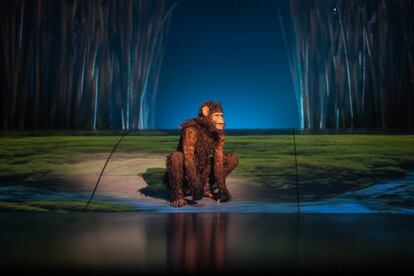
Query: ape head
{"type": "Point", "coordinates": [211, 116]}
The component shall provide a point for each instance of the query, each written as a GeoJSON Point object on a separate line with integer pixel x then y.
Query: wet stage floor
{"type": "Point", "coordinates": [221, 242]}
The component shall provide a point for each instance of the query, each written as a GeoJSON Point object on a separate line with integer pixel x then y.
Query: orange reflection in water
{"type": "Point", "coordinates": [197, 242]}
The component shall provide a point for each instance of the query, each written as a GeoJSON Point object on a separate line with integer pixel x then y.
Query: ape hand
{"type": "Point", "coordinates": [178, 202]}
{"type": "Point", "coordinates": [223, 195]}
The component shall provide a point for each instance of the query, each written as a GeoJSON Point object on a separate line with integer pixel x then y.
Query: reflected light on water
{"type": "Point", "coordinates": [197, 243]}
{"type": "Point", "coordinates": [213, 242]}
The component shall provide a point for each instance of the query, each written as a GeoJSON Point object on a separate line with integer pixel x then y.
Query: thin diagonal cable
{"type": "Point", "coordinates": [296, 167]}
{"type": "Point", "coordinates": [297, 240]}
{"type": "Point", "coordinates": [103, 169]}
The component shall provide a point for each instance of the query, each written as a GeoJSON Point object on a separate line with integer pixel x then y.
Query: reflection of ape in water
{"type": "Point", "coordinates": [200, 161]}
{"type": "Point", "coordinates": [197, 242]}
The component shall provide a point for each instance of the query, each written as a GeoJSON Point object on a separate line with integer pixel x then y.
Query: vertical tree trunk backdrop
{"type": "Point", "coordinates": [95, 64]}
{"type": "Point", "coordinates": [80, 64]}
{"type": "Point", "coordinates": [352, 62]}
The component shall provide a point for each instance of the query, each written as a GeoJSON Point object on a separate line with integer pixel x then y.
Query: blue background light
{"type": "Point", "coordinates": [232, 52]}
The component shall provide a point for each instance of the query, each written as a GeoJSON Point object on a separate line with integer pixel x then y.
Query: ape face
{"type": "Point", "coordinates": [214, 121]}
{"type": "Point", "coordinates": [218, 121]}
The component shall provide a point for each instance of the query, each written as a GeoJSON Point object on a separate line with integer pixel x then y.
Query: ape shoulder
{"type": "Point", "coordinates": [191, 126]}
{"type": "Point", "coordinates": [189, 132]}
{"type": "Point", "coordinates": [190, 123]}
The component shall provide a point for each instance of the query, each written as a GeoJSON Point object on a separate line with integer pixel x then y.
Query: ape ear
{"type": "Point", "coordinates": [205, 110]}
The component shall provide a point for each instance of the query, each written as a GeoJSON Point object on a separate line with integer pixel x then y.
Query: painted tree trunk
{"type": "Point", "coordinates": [80, 64]}
{"type": "Point", "coordinates": [352, 62]}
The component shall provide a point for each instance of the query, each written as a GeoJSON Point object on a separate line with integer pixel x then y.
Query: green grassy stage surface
{"type": "Point", "coordinates": [327, 164]}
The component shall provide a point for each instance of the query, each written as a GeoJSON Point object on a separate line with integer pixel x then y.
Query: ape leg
{"type": "Point", "coordinates": [175, 174]}
{"type": "Point", "coordinates": [208, 178]}
{"type": "Point", "coordinates": [230, 162]}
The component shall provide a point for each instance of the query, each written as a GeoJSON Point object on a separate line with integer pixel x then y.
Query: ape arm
{"type": "Point", "coordinates": [223, 194]}
{"type": "Point", "coordinates": [218, 162]}
{"type": "Point", "coordinates": [189, 140]}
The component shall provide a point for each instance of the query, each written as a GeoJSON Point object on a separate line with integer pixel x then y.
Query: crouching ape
{"type": "Point", "coordinates": [199, 165]}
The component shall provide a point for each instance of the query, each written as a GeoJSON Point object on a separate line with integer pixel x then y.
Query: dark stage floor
{"type": "Point", "coordinates": [221, 242]}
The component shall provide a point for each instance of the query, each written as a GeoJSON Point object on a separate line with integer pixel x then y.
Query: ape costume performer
{"type": "Point", "coordinates": [200, 161]}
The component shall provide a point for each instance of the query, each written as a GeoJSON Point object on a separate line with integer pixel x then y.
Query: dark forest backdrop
{"type": "Point", "coordinates": [352, 62]}
{"type": "Point", "coordinates": [96, 64]}
{"type": "Point", "coordinates": [80, 64]}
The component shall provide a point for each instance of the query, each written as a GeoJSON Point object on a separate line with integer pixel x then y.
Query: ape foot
{"type": "Point", "coordinates": [223, 195]}
{"type": "Point", "coordinates": [178, 203]}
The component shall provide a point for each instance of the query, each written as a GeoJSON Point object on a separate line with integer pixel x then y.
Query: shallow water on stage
{"type": "Point", "coordinates": [147, 242]}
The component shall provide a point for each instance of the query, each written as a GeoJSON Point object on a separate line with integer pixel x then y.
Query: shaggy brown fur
{"type": "Point", "coordinates": [200, 160]}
